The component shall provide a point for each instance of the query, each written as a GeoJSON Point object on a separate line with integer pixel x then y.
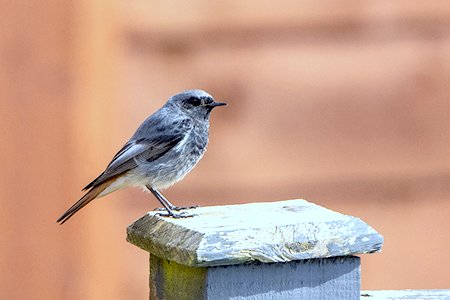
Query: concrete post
{"type": "Point", "coordinates": [279, 250]}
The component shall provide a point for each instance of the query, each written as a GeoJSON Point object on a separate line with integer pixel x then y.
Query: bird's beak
{"type": "Point", "coordinates": [214, 104]}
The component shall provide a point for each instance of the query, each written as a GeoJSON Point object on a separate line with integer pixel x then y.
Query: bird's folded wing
{"type": "Point", "coordinates": [145, 149]}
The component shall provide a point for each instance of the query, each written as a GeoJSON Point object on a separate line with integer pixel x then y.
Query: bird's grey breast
{"type": "Point", "coordinates": [199, 136]}
{"type": "Point", "coordinates": [182, 158]}
{"type": "Point", "coordinates": [192, 148]}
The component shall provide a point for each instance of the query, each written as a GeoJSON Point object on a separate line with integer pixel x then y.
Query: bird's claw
{"type": "Point", "coordinates": [181, 215]}
{"type": "Point", "coordinates": [177, 208]}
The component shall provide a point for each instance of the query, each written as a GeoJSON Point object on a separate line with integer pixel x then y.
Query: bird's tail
{"type": "Point", "coordinates": [88, 197]}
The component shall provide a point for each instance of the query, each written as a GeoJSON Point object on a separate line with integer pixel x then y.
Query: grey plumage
{"type": "Point", "coordinates": [166, 147]}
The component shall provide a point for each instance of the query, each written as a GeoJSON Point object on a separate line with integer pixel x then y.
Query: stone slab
{"type": "Point", "coordinates": [406, 295]}
{"type": "Point", "coordinates": [268, 232]}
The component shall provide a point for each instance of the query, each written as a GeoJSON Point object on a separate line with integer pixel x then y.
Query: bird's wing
{"type": "Point", "coordinates": [149, 148]}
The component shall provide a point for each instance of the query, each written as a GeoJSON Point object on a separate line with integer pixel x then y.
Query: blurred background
{"type": "Point", "coordinates": [345, 104]}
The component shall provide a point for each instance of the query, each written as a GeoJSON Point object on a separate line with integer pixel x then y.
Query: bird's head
{"type": "Point", "coordinates": [195, 103]}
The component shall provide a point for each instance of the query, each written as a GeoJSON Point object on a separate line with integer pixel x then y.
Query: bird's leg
{"type": "Point", "coordinates": [163, 199]}
{"type": "Point", "coordinates": [167, 205]}
{"type": "Point", "coordinates": [167, 202]}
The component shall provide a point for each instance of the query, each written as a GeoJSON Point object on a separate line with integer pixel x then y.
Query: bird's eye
{"type": "Point", "coordinates": [194, 101]}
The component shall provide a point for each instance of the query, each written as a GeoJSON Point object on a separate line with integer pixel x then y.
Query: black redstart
{"type": "Point", "coordinates": [166, 147]}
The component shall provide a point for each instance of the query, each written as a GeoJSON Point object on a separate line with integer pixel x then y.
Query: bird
{"type": "Point", "coordinates": [164, 148]}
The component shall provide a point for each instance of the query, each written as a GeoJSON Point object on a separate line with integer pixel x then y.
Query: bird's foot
{"type": "Point", "coordinates": [177, 208]}
{"type": "Point", "coordinates": [171, 214]}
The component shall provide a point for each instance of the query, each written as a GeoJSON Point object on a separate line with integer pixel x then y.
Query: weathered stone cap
{"type": "Point", "coordinates": [268, 232]}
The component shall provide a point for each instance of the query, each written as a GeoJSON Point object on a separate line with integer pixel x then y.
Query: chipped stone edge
{"type": "Point", "coordinates": [187, 249]}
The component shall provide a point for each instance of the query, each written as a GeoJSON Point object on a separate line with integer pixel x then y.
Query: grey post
{"type": "Point", "coordinates": [277, 250]}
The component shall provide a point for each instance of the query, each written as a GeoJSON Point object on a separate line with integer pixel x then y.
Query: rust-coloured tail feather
{"type": "Point", "coordinates": [88, 197]}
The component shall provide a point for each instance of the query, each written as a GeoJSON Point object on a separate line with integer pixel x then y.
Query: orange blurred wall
{"type": "Point", "coordinates": [344, 105]}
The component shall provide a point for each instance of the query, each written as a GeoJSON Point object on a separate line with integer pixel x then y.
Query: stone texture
{"type": "Point", "coordinates": [406, 295]}
{"type": "Point", "coordinates": [267, 232]}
